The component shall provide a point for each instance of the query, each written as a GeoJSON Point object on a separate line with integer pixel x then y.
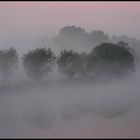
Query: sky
{"type": "Point", "coordinates": [23, 23]}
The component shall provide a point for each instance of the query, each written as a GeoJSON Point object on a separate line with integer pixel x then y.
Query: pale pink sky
{"type": "Point", "coordinates": [113, 17]}
{"type": "Point", "coordinates": [33, 19]}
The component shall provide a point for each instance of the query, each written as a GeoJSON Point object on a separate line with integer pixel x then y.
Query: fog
{"type": "Point", "coordinates": [24, 24]}
{"type": "Point", "coordinates": [70, 108]}
{"type": "Point", "coordinates": [59, 107]}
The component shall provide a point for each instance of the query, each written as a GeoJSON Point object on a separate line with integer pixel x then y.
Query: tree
{"type": "Point", "coordinates": [133, 42]}
{"type": "Point", "coordinates": [68, 62]}
{"type": "Point", "coordinates": [97, 37]}
{"type": "Point", "coordinates": [69, 31]}
{"type": "Point", "coordinates": [131, 50]}
{"type": "Point", "coordinates": [83, 58]}
{"type": "Point", "coordinates": [76, 38]}
{"type": "Point", "coordinates": [39, 62]}
{"type": "Point", "coordinates": [72, 37]}
{"type": "Point", "coordinates": [110, 59]}
{"type": "Point", "coordinates": [8, 62]}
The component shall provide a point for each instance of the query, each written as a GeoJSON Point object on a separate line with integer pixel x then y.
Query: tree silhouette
{"type": "Point", "coordinates": [72, 37]}
{"type": "Point", "coordinates": [68, 62]}
{"type": "Point", "coordinates": [8, 62]}
{"type": "Point", "coordinates": [83, 58]}
{"type": "Point", "coordinates": [38, 62]}
{"type": "Point", "coordinates": [110, 59]}
{"type": "Point", "coordinates": [98, 37]}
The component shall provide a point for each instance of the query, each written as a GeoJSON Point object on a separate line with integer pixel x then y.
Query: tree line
{"type": "Point", "coordinates": [104, 61]}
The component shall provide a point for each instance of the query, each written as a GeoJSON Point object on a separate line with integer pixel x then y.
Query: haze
{"type": "Point", "coordinates": [60, 107]}
{"type": "Point", "coordinates": [24, 24]}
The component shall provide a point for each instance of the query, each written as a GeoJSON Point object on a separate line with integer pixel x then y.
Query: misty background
{"type": "Point", "coordinates": [59, 107]}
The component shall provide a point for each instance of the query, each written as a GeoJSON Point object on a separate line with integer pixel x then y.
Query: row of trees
{"type": "Point", "coordinates": [105, 60]}
{"type": "Point", "coordinates": [77, 38]}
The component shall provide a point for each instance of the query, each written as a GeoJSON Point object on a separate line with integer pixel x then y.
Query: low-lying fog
{"type": "Point", "coordinates": [60, 107]}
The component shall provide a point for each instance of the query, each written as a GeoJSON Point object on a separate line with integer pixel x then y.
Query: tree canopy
{"type": "Point", "coordinates": [68, 62]}
{"type": "Point", "coordinates": [38, 62]}
{"type": "Point", "coordinates": [8, 61]}
{"type": "Point", "coordinates": [111, 58]}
